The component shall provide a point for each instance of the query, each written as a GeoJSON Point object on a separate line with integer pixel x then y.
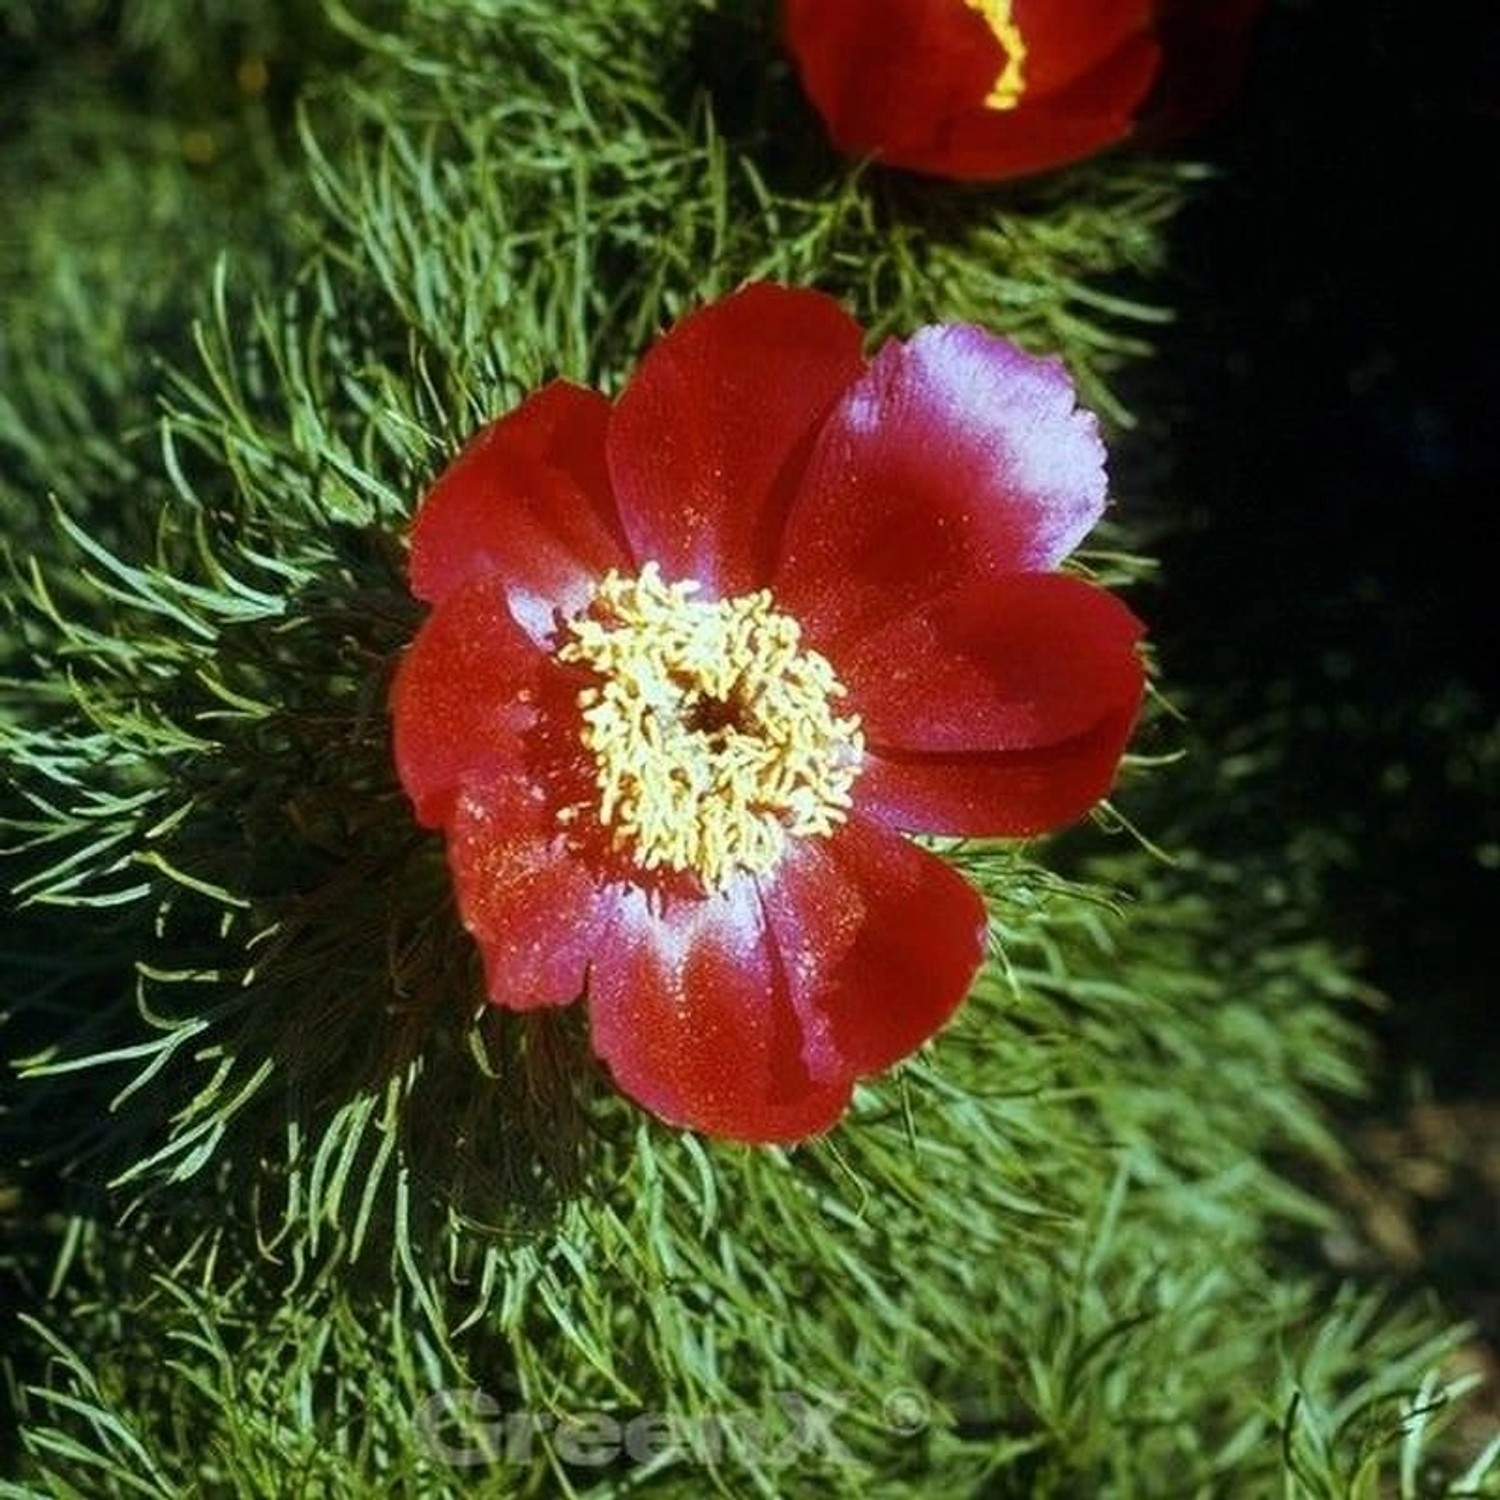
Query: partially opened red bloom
{"type": "Point", "coordinates": [699, 656]}
{"type": "Point", "coordinates": [991, 89]}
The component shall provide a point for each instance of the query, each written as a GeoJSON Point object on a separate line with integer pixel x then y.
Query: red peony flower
{"type": "Point", "coordinates": [990, 89]}
{"type": "Point", "coordinates": [699, 656]}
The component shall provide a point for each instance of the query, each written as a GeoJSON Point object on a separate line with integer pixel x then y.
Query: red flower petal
{"type": "Point", "coordinates": [879, 941]}
{"type": "Point", "coordinates": [538, 911]}
{"type": "Point", "coordinates": [691, 1011]}
{"type": "Point", "coordinates": [1066, 42]}
{"type": "Point", "coordinates": [528, 501]}
{"type": "Point", "coordinates": [465, 692]}
{"type": "Point", "coordinates": [1010, 794]}
{"type": "Point", "coordinates": [1028, 660]}
{"type": "Point", "coordinates": [886, 75]}
{"type": "Point", "coordinates": [1000, 710]}
{"type": "Point", "coordinates": [703, 439]}
{"type": "Point", "coordinates": [955, 456]}
{"type": "Point", "coordinates": [1085, 116]}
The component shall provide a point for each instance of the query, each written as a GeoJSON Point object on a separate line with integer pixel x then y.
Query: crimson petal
{"type": "Point", "coordinates": [1009, 794]}
{"type": "Point", "coordinates": [956, 456]}
{"type": "Point", "coordinates": [1088, 115]}
{"type": "Point", "coordinates": [887, 74]}
{"type": "Point", "coordinates": [1002, 709]}
{"type": "Point", "coordinates": [534, 906]}
{"type": "Point", "coordinates": [528, 501]}
{"type": "Point", "coordinates": [1063, 46]}
{"type": "Point", "coordinates": [691, 1012]}
{"type": "Point", "coordinates": [703, 442]}
{"type": "Point", "coordinates": [880, 942]}
{"type": "Point", "coordinates": [1028, 660]}
{"type": "Point", "coordinates": [465, 692]}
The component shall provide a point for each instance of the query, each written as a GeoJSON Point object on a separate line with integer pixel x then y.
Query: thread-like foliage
{"type": "Point", "coordinates": [1045, 1258]}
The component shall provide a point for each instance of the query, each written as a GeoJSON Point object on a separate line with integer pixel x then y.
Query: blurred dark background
{"type": "Point", "coordinates": [1325, 406]}
{"type": "Point", "coordinates": [1320, 450]}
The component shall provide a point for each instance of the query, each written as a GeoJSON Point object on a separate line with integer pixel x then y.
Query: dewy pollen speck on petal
{"type": "Point", "coordinates": [711, 727]}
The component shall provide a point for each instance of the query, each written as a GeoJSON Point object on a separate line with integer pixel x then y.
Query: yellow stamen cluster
{"type": "Point", "coordinates": [711, 728]}
{"type": "Point", "coordinates": [1010, 86]}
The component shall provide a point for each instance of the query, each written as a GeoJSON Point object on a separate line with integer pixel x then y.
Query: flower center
{"type": "Point", "coordinates": [711, 728]}
{"type": "Point", "coordinates": [1011, 84]}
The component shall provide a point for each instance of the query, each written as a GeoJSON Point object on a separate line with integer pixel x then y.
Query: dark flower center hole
{"type": "Point", "coordinates": [713, 718]}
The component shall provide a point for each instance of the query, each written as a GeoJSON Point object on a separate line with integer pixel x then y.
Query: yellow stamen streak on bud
{"type": "Point", "coordinates": [711, 727]}
{"type": "Point", "coordinates": [1010, 86]}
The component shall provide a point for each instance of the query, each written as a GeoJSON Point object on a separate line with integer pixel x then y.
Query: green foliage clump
{"type": "Point", "coordinates": [1024, 1267]}
{"type": "Point", "coordinates": [1051, 1256]}
{"type": "Point", "coordinates": [145, 139]}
